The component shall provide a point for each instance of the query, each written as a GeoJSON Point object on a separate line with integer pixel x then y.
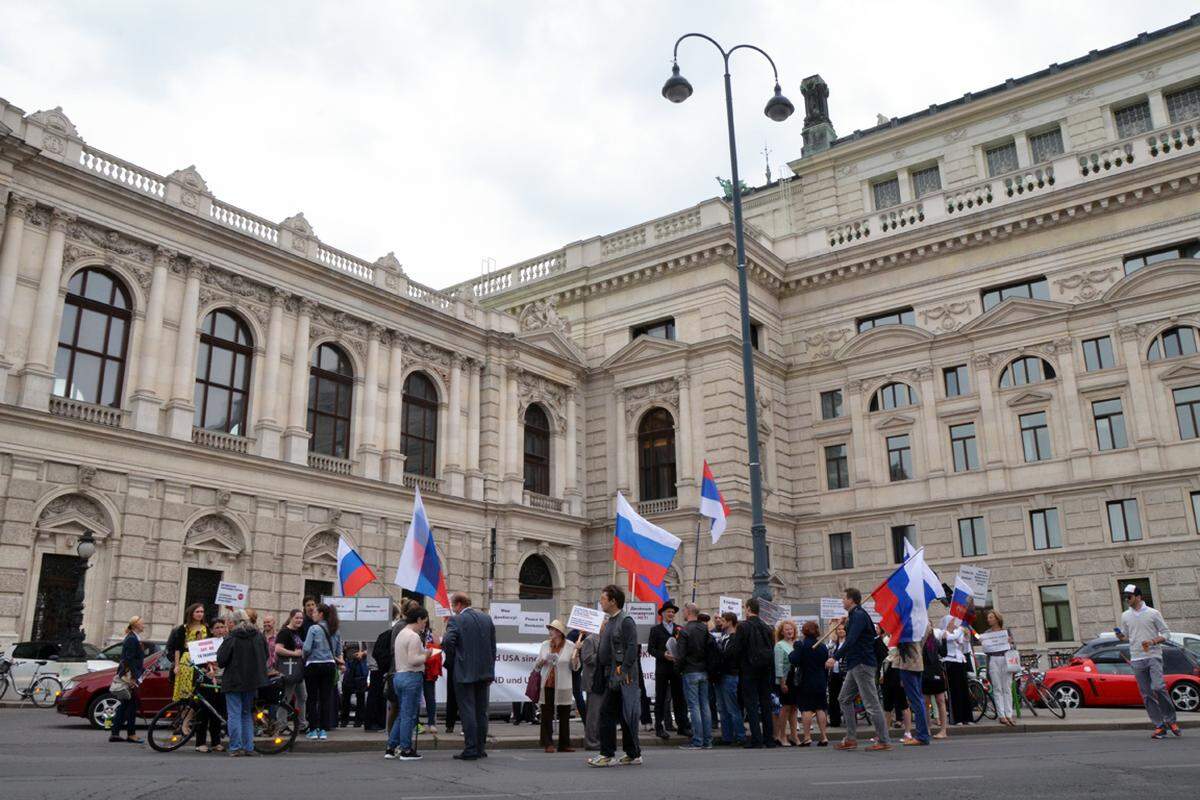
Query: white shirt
{"type": "Point", "coordinates": [1140, 626]}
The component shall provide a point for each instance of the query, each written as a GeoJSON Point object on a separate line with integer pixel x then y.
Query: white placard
{"type": "Point", "coordinates": [977, 579]}
{"type": "Point", "coordinates": [994, 641]}
{"type": "Point", "coordinates": [346, 607]}
{"type": "Point", "coordinates": [869, 607]}
{"type": "Point", "coordinates": [585, 619]}
{"type": "Point", "coordinates": [438, 611]}
{"type": "Point", "coordinates": [831, 608]}
{"type": "Point", "coordinates": [505, 613]}
{"type": "Point", "coordinates": [533, 622]}
{"type": "Point", "coordinates": [233, 595]}
{"type": "Point", "coordinates": [204, 651]}
{"type": "Point", "coordinates": [772, 613]}
{"type": "Point", "coordinates": [641, 613]}
{"type": "Point", "coordinates": [803, 618]}
{"type": "Point", "coordinates": [373, 609]}
{"type": "Point", "coordinates": [731, 604]}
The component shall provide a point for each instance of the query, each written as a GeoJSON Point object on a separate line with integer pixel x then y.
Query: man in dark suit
{"type": "Point", "coordinates": [668, 683]}
{"type": "Point", "coordinates": [470, 645]}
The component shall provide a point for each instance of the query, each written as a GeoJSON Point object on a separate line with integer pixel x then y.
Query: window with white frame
{"type": "Point", "coordinates": [1098, 354]}
{"type": "Point", "coordinates": [886, 193]}
{"type": "Point", "coordinates": [1001, 158]}
{"type": "Point", "coordinates": [1046, 146]}
{"type": "Point", "coordinates": [1183, 104]}
{"type": "Point", "coordinates": [1196, 510]}
{"type": "Point", "coordinates": [1035, 436]}
{"type": "Point", "coordinates": [1123, 521]}
{"type": "Point", "coordinates": [1133, 119]}
{"type": "Point", "coordinates": [926, 181]}
{"type": "Point", "coordinates": [1110, 424]}
{"type": "Point", "coordinates": [972, 537]}
{"type": "Point", "coordinates": [1047, 535]}
{"type": "Point", "coordinates": [1187, 411]}
{"type": "Point", "coordinates": [841, 551]}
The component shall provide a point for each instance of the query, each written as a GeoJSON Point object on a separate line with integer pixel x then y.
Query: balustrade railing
{"type": "Point", "coordinates": [901, 217]}
{"type": "Point", "coordinates": [345, 262]}
{"type": "Point", "coordinates": [425, 483]}
{"type": "Point", "coordinates": [543, 502]}
{"type": "Point", "coordinates": [244, 222]}
{"type": "Point", "coordinates": [220, 441]}
{"type": "Point", "coordinates": [658, 506]}
{"type": "Point", "coordinates": [1173, 139]}
{"type": "Point", "coordinates": [1109, 157]}
{"type": "Point", "coordinates": [970, 198]}
{"type": "Point", "coordinates": [1029, 181]}
{"type": "Point", "coordinates": [123, 172]}
{"type": "Point", "coordinates": [430, 297]}
{"type": "Point", "coordinates": [86, 412]}
{"type": "Point", "coordinates": [849, 232]}
{"type": "Point", "coordinates": [338, 466]}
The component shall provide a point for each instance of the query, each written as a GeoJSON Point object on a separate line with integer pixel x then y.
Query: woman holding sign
{"type": "Point", "coordinates": [554, 663]}
{"type": "Point", "coordinates": [996, 644]}
{"type": "Point", "coordinates": [193, 630]}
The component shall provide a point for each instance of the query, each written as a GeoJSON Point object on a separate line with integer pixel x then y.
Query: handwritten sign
{"type": "Point", "coordinates": [869, 607]}
{"type": "Point", "coordinates": [994, 641]}
{"type": "Point", "coordinates": [585, 619]}
{"type": "Point", "coordinates": [533, 622]}
{"type": "Point", "coordinates": [831, 608]}
{"type": "Point", "coordinates": [772, 613]}
{"type": "Point", "coordinates": [373, 609]}
{"type": "Point", "coordinates": [505, 614]}
{"type": "Point", "coordinates": [731, 604]}
{"type": "Point", "coordinates": [233, 595]}
{"type": "Point", "coordinates": [977, 578]}
{"type": "Point", "coordinates": [641, 613]}
{"type": "Point", "coordinates": [347, 607]}
{"type": "Point", "coordinates": [438, 611]}
{"type": "Point", "coordinates": [204, 651]}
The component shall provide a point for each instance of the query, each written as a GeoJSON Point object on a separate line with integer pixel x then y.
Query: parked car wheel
{"type": "Point", "coordinates": [102, 710]}
{"type": "Point", "coordinates": [1068, 695]}
{"type": "Point", "coordinates": [1186, 696]}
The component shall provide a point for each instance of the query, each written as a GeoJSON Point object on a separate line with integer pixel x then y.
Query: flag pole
{"type": "Point", "coordinates": [696, 561]}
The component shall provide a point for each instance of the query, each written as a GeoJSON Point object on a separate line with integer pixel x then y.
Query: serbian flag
{"type": "Point", "coordinates": [712, 505]}
{"type": "Point", "coordinates": [648, 592]}
{"type": "Point", "coordinates": [640, 546]}
{"type": "Point", "coordinates": [961, 600]}
{"type": "Point", "coordinates": [353, 572]}
{"type": "Point", "coordinates": [933, 584]}
{"type": "Point", "coordinates": [420, 570]}
{"type": "Point", "coordinates": [900, 600]}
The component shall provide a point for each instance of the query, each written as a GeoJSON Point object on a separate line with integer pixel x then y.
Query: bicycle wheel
{"type": "Point", "coordinates": [4, 681]}
{"type": "Point", "coordinates": [1051, 702]}
{"type": "Point", "coordinates": [45, 691]}
{"type": "Point", "coordinates": [170, 728]}
{"type": "Point", "coordinates": [275, 728]}
{"type": "Point", "coordinates": [979, 700]}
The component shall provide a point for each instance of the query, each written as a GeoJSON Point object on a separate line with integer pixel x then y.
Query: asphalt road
{"type": "Point", "coordinates": [44, 756]}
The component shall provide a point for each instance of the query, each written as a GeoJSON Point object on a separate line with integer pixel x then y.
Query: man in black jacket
{"type": "Point", "coordinates": [860, 659]}
{"type": "Point", "coordinates": [668, 684]}
{"type": "Point", "coordinates": [381, 654]}
{"type": "Point", "coordinates": [695, 643]}
{"type": "Point", "coordinates": [754, 642]}
{"type": "Point", "coordinates": [618, 661]}
{"type": "Point", "coordinates": [243, 657]}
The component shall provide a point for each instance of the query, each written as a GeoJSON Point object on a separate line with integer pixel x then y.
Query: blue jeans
{"type": "Point", "coordinates": [911, 681]}
{"type": "Point", "coordinates": [732, 728]}
{"type": "Point", "coordinates": [240, 708]}
{"type": "Point", "coordinates": [408, 697]}
{"type": "Point", "coordinates": [695, 689]}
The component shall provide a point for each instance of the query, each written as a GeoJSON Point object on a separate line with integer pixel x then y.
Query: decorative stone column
{"type": "Point", "coordinates": [512, 473]}
{"type": "Point", "coordinates": [1069, 406]}
{"type": "Point", "coordinates": [501, 429]}
{"type": "Point", "coordinates": [989, 429]}
{"type": "Point", "coordinates": [368, 449]}
{"type": "Point", "coordinates": [687, 488]}
{"type": "Point", "coordinates": [181, 409]}
{"type": "Point", "coordinates": [455, 484]}
{"type": "Point", "coordinates": [10, 260]}
{"type": "Point", "coordinates": [146, 404]}
{"type": "Point", "coordinates": [393, 457]}
{"type": "Point", "coordinates": [474, 475]}
{"type": "Point", "coordinates": [620, 445]}
{"type": "Point", "coordinates": [38, 374]}
{"type": "Point", "coordinates": [571, 491]}
{"type": "Point", "coordinates": [861, 475]}
{"type": "Point", "coordinates": [268, 428]}
{"type": "Point", "coordinates": [296, 436]}
{"type": "Point", "coordinates": [1143, 425]}
{"type": "Point", "coordinates": [935, 466]}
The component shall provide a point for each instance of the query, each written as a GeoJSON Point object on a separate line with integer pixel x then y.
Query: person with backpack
{"type": "Point", "coordinates": [381, 655]}
{"type": "Point", "coordinates": [755, 644]}
{"type": "Point", "coordinates": [695, 646]}
{"type": "Point", "coordinates": [617, 665]}
{"type": "Point", "coordinates": [858, 656]}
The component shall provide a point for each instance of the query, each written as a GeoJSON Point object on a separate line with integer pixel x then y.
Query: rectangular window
{"type": "Point", "coordinates": [1035, 288]}
{"type": "Point", "coordinates": [1182, 106]}
{"type": "Point", "coordinates": [755, 335]}
{"type": "Point", "coordinates": [1187, 411]}
{"type": "Point", "coordinates": [956, 381]}
{"type": "Point", "coordinates": [1046, 146]}
{"type": "Point", "coordinates": [1098, 354]}
{"type": "Point", "coordinates": [1123, 521]}
{"type": "Point", "coordinates": [841, 554]}
{"type": "Point", "coordinates": [661, 329]}
{"type": "Point", "coordinates": [837, 467]}
{"type": "Point", "coordinates": [831, 404]}
{"type": "Point", "coordinates": [1110, 424]}
{"type": "Point", "coordinates": [1196, 510]}
{"type": "Point", "coordinates": [902, 316]}
{"type": "Point", "coordinates": [972, 537]}
{"type": "Point", "coordinates": [1132, 120]}
{"type": "Point", "coordinates": [1001, 158]}
{"type": "Point", "coordinates": [887, 193]}
{"type": "Point", "coordinates": [1056, 613]}
{"type": "Point", "coordinates": [900, 535]}
{"type": "Point", "coordinates": [1035, 436]}
{"type": "Point", "coordinates": [964, 448]}
{"type": "Point", "coordinates": [1183, 250]}
{"type": "Point", "coordinates": [1046, 533]}
{"type": "Point", "coordinates": [899, 458]}
{"type": "Point", "coordinates": [926, 181]}
{"type": "Point", "coordinates": [1141, 583]}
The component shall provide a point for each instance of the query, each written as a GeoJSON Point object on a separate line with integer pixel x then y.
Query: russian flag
{"type": "Point", "coordinates": [933, 584]}
{"type": "Point", "coordinates": [420, 570]}
{"type": "Point", "coordinates": [648, 592]}
{"type": "Point", "coordinates": [961, 600]}
{"type": "Point", "coordinates": [353, 572]}
{"type": "Point", "coordinates": [712, 505]}
{"type": "Point", "coordinates": [900, 601]}
{"type": "Point", "coordinates": [640, 546]}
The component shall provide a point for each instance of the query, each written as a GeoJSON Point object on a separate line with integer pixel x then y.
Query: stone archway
{"type": "Point", "coordinates": [535, 580]}
{"type": "Point", "coordinates": [55, 568]}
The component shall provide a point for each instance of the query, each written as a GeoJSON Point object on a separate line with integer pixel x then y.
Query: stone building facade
{"type": "Point", "coordinates": [976, 329]}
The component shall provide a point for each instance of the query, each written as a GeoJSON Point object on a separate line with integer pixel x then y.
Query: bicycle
{"type": "Point", "coordinates": [43, 689]}
{"type": "Point", "coordinates": [982, 704]}
{"type": "Point", "coordinates": [275, 724]}
{"type": "Point", "coordinates": [1027, 677]}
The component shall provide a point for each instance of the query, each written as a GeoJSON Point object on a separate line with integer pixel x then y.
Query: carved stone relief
{"type": "Point", "coordinates": [215, 533]}
{"type": "Point", "coordinates": [663, 393]}
{"type": "Point", "coordinates": [822, 343]}
{"type": "Point", "coordinates": [948, 316]}
{"type": "Point", "coordinates": [543, 314]}
{"type": "Point", "coordinates": [533, 388]}
{"type": "Point", "coordinates": [1087, 285]}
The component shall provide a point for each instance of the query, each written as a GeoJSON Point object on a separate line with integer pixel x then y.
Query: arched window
{"type": "Point", "coordinates": [1026, 369]}
{"type": "Point", "coordinates": [893, 395]}
{"type": "Point", "coordinates": [418, 425]}
{"type": "Point", "coordinates": [534, 581]}
{"type": "Point", "coordinates": [330, 401]}
{"type": "Point", "coordinates": [222, 386]}
{"type": "Point", "coordinates": [537, 450]}
{"type": "Point", "coordinates": [656, 455]}
{"type": "Point", "coordinates": [90, 362]}
{"type": "Point", "coordinates": [1172, 343]}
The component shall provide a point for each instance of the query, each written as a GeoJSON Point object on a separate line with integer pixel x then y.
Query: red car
{"type": "Point", "coordinates": [87, 695]}
{"type": "Point", "coordinates": [1099, 674]}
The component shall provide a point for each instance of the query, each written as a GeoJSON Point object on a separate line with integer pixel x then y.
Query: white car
{"type": "Point", "coordinates": [1188, 641]}
{"type": "Point", "coordinates": [26, 655]}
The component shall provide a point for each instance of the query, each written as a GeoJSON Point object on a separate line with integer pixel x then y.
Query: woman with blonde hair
{"type": "Point", "coordinates": [786, 724]}
{"type": "Point", "coordinates": [998, 674]}
{"type": "Point", "coordinates": [130, 670]}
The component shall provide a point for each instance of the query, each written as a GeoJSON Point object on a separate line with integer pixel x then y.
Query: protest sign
{"type": "Point", "coordinates": [373, 609]}
{"type": "Point", "coordinates": [505, 614]}
{"type": "Point", "coordinates": [869, 606]}
{"type": "Point", "coordinates": [233, 595]}
{"type": "Point", "coordinates": [831, 608]}
{"type": "Point", "coordinates": [204, 651]}
{"type": "Point", "coordinates": [533, 622]}
{"type": "Point", "coordinates": [731, 604]}
{"type": "Point", "coordinates": [977, 579]}
{"type": "Point", "coordinates": [772, 613]}
{"type": "Point", "coordinates": [514, 662]}
{"type": "Point", "coordinates": [994, 641]}
{"type": "Point", "coordinates": [347, 607]}
{"type": "Point", "coordinates": [585, 619]}
{"type": "Point", "coordinates": [438, 611]}
{"type": "Point", "coordinates": [641, 613]}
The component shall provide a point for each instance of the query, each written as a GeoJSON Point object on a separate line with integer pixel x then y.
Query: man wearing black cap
{"type": "Point", "coordinates": [1143, 627]}
{"type": "Point", "coordinates": [668, 683]}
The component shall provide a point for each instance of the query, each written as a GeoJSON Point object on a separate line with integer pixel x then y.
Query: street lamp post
{"type": "Point", "coordinates": [72, 641]}
{"type": "Point", "coordinates": [778, 108]}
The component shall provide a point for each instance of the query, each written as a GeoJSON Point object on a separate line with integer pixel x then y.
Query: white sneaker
{"type": "Point", "coordinates": [627, 761]}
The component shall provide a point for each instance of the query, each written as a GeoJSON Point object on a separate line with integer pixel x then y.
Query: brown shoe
{"type": "Point", "coordinates": [846, 744]}
{"type": "Point", "coordinates": [566, 749]}
{"type": "Point", "coordinates": [879, 746]}
{"type": "Point", "coordinates": [915, 743]}
{"type": "Point", "coordinates": [550, 748]}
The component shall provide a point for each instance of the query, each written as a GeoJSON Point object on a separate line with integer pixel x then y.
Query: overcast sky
{"type": "Point", "coordinates": [454, 131]}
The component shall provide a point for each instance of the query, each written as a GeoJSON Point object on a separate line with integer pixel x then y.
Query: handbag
{"type": "Point", "coordinates": [291, 669]}
{"type": "Point", "coordinates": [120, 688]}
{"type": "Point", "coordinates": [1012, 660]}
{"type": "Point", "coordinates": [533, 686]}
